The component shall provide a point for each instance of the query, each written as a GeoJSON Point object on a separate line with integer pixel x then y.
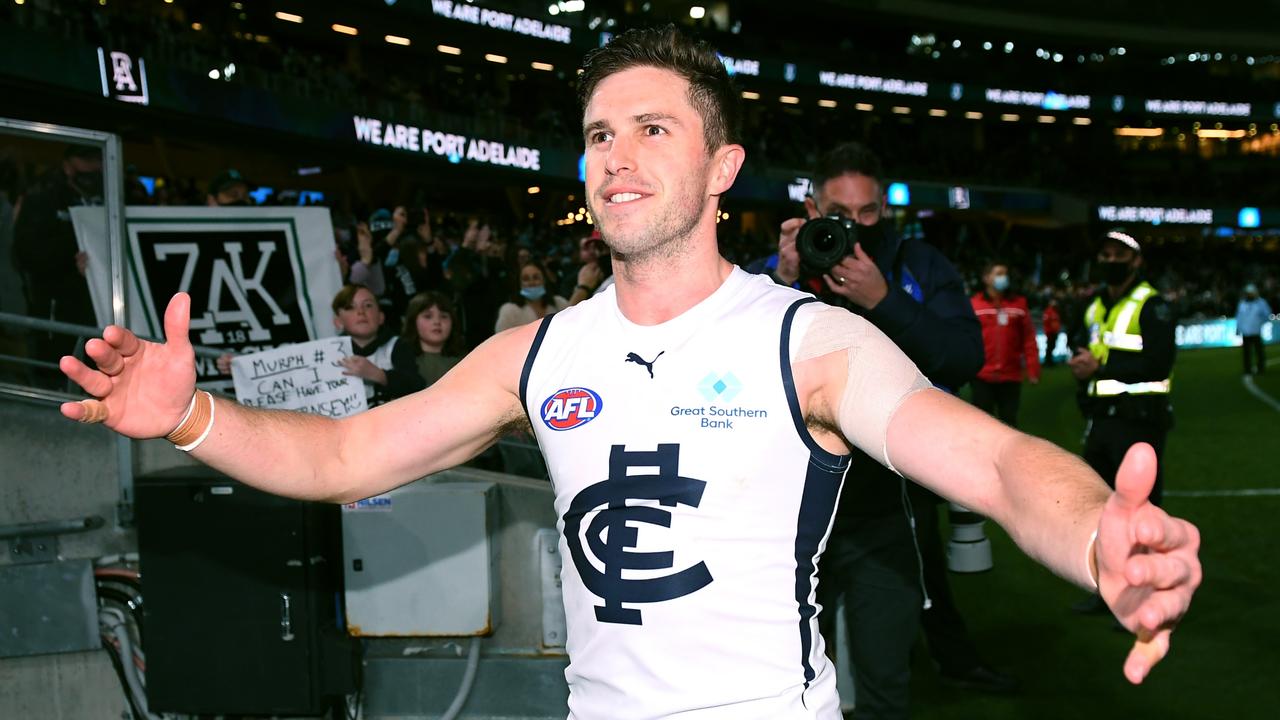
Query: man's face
{"type": "Point", "coordinates": [84, 174]}
{"type": "Point", "coordinates": [852, 195]}
{"type": "Point", "coordinates": [235, 194]}
{"type": "Point", "coordinates": [647, 162]}
{"type": "Point", "coordinates": [996, 271]}
{"type": "Point", "coordinates": [1116, 252]}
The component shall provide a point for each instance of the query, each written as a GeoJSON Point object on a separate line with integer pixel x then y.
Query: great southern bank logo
{"type": "Point", "coordinates": [570, 408]}
{"type": "Point", "coordinates": [719, 387]}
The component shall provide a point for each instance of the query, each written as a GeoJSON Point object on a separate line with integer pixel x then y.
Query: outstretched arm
{"type": "Point", "coordinates": [1051, 503]}
{"type": "Point", "coordinates": [859, 389]}
{"type": "Point", "coordinates": [146, 388]}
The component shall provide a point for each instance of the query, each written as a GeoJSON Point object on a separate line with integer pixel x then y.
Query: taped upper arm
{"type": "Point", "coordinates": [865, 376]}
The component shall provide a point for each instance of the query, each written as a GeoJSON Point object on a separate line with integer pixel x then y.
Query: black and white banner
{"type": "Point", "coordinates": [258, 277]}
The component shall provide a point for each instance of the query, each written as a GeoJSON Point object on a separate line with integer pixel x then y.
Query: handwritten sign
{"type": "Point", "coordinates": [305, 377]}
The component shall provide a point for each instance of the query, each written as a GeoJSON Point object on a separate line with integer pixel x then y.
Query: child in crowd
{"type": "Point", "coordinates": [356, 313]}
{"type": "Point", "coordinates": [427, 348]}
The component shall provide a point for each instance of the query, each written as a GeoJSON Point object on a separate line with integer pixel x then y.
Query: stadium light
{"type": "Point", "coordinates": [1217, 134]}
{"type": "Point", "coordinates": [937, 112]}
{"type": "Point", "coordinates": [973, 115]}
{"type": "Point", "coordinates": [1081, 121]}
{"type": "Point", "coordinates": [864, 107]}
{"type": "Point", "coordinates": [899, 194]}
{"type": "Point", "coordinates": [827, 103]}
{"type": "Point", "coordinates": [1139, 132]}
{"type": "Point", "coordinates": [1047, 119]}
{"type": "Point", "coordinates": [748, 95]}
{"type": "Point", "coordinates": [1010, 117]}
{"type": "Point", "coordinates": [548, 67]}
{"type": "Point", "coordinates": [397, 40]}
{"type": "Point", "coordinates": [289, 17]}
{"type": "Point", "coordinates": [789, 100]}
{"type": "Point", "coordinates": [344, 29]}
{"type": "Point", "coordinates": [697, 12]}
{"type": "Point", "coordinates": [901, 110]}
{"type": "Point", "coordinates": [448, 50]}
{"type": "Point", "coordinates": [500, 59]}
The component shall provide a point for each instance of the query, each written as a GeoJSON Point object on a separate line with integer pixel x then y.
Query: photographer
{"type": "Point", "coordinates": [908, 290]}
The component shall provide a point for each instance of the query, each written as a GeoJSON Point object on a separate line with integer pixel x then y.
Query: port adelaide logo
{"type": "Point", "coordinates": [570, 408]}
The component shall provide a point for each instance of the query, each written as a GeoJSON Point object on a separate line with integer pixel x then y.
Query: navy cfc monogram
{"type": "Point", "coordinates": [610, 538]}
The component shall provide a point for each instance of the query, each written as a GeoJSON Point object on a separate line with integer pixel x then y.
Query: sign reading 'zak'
{"type": "Point", "coordinates": [258, 278]}
{"type": "Point", "coordinates": [242, 287]}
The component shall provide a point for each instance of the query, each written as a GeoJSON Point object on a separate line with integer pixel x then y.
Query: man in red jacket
{"type": "Point", "coordinates": [1009, 342]}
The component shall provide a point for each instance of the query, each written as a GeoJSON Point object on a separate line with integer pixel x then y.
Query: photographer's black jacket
{"type": "Point", "coordinates": [928, 315]}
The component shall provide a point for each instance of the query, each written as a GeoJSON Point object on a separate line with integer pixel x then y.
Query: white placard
{"type": "Point", "coordinates": [258, 277]}
{"type": "Point", "coordinates": [306, 377]}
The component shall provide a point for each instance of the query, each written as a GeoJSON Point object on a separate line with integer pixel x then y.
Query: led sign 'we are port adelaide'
{"type": "Point", "coordinates": [499, 20]}
{"type": "Point", "coordinates": [456, 148]}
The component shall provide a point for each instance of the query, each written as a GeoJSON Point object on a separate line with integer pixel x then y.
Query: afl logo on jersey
{"type": "Point", "coordinates": [570, 408]}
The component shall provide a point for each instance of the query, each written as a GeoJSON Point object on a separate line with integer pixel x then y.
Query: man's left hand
{"type": "Point", "coordinates": [1148, 562]}
{"type": "Point", "coordinates": [858, 279]}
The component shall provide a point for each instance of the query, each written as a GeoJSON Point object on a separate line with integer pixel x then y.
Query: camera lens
{"type": "Point", "coordinates": [822, 243]}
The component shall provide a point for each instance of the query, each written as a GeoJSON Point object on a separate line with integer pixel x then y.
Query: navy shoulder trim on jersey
{"type": "Point", "coordinates": [819, 453]}
{"type": "Point", "coordinates": [528, 363]}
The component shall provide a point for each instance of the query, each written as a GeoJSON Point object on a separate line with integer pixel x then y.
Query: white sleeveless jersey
{"type": "Point", "coordinates": [693, 506]}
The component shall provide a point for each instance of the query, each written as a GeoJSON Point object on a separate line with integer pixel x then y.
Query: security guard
{"type": "Point", "coordinates": [1127, 364]}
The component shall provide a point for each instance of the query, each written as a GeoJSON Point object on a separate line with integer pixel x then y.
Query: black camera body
{"type": "Point", "coordinates": [824, 241]}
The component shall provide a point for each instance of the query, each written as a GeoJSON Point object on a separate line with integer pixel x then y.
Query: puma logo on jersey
{"type": "Point", "coordinates": [570, 408]}
{"type": "Point", "coordinates": [632, 357]}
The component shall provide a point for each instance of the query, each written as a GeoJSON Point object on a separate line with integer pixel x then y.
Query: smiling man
{"type": "Point", "coordinates": [695, 491]}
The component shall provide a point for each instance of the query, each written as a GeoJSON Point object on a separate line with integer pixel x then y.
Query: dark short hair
{"type": "Point", "coordinates": [346, 297]}
{"type": "Point", "coordinates": [991, 264]}
{"type": "Point", "coordinates": [711, 91]}
{"type": "Point", "coordinates": [845, 159]}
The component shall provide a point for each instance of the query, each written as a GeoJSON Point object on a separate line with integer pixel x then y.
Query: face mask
{"type": "Point", "coordinates": [393, 257]}
{"type": "Point", "coordinates": [533, 293]}
{"type": "Point", "coordinates": [1114, 273]}
{"type": "Point", "coordinates": [872, 239]}
{"type": "Point", "coordinates": [1000, 283]}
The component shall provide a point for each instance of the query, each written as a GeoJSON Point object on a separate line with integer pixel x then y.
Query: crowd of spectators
{"type": "Point", "coordinates": [539, 108]}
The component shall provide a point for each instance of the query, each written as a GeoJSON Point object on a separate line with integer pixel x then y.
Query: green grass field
{"type": "Point", "coordinates": [1226, 653]}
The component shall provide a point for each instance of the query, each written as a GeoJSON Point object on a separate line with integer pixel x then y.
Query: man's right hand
{"type": "Point", "coordinates": [145, 386]}
{"type": "Point", "coordinates": [788, 269]}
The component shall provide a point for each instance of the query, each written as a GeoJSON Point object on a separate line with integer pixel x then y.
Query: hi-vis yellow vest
{"type": "Point", "coordinates": [1117, 330]}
